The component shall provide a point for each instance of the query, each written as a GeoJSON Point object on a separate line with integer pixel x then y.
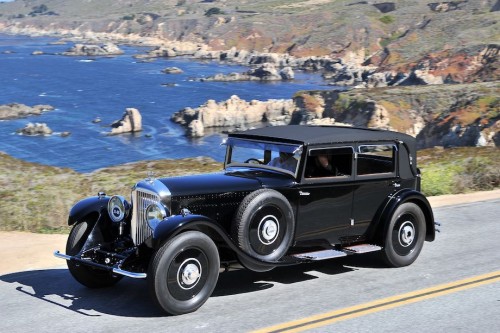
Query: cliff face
{"type": "Point", "coordinates": [454, 40]}
{"type": "Point", "coordinates": [438, 115]}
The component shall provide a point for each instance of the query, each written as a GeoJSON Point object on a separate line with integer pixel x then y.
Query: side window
{"type": "Point", "coordinates": [376, 159]}
{"type": "Point", "coordinates": [331, 162]}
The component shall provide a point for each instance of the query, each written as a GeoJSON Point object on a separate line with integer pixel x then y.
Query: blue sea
{"type": "Point", "coordinates": [83, 89]}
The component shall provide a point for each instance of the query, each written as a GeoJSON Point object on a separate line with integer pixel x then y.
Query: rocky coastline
{"type": "Point", "coordinates": [19, 110]}
{"type": "Point", "coordinates": [379, 58]}
{"type": "Point", "coordinates": [350, 70]}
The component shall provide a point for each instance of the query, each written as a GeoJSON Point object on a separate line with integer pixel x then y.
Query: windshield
{"type": "Point", "coordinates": [284, 157]}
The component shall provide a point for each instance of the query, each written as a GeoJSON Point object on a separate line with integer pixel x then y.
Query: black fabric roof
{"type": "Point", "coordinates": [311, 135]}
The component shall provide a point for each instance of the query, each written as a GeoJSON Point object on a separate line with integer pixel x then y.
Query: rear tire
{"type": "Point", "coordinates": [405, 236]}
{"type": "Point", "coordinates": [88, 276]}
{"type": "Point", "coordinates": [184, 272]}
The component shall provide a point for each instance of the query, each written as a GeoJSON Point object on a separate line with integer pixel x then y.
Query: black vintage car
{"type": "Point", "coordinates": [287, 195]}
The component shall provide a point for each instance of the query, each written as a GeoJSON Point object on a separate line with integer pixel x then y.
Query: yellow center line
{"type": "Point", "coordinates": [381, 304]}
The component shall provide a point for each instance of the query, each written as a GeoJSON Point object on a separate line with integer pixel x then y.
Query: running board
{"type": "Point", "coordinates": [320, 255]}
{"type": "Point", "coordinates": [332, 253]}
{"type": "Point", "coordinates": [361, 248]}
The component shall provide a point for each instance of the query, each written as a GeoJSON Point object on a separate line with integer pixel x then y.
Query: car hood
{"type": "Point", "coordinates": [234, 180]}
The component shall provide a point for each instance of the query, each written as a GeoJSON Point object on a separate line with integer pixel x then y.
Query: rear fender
{"type": "Point", "coordinates": [379, 229]}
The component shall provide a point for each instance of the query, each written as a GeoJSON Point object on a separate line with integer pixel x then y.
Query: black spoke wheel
{"type": "Point", "coordinates": [405, 235]}
{"type": "Point", "coordinates": [264, 226]}
{"type": "Point", "coordinates": [184, 272]}
{"type": "Point", "coordinates": [88, 276]}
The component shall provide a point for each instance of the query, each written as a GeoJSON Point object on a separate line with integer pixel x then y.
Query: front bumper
{"type": "Point", "coordinates": [114, 269]}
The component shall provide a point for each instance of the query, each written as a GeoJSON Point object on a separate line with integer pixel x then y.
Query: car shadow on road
{"type": "Point", "coordinates": [130, 297]}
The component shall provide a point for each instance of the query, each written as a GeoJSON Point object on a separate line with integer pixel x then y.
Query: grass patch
{"type": "Point", "coordinates": [37, 198]}
{"type": "Point", "coordinates": [459, 170]}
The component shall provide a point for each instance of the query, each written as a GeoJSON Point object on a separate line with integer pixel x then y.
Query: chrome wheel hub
{"type": "Point", "coordinates": [406, 234]}
{"type": "Point", "coordinates": [268, 229]}
{"type": "Point", "coordinates": [189, 273]}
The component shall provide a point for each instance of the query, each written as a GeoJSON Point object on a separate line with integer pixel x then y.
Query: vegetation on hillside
{"type": "Point", "coordinates": [37, 198]}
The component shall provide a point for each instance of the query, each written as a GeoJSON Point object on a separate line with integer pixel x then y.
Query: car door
{"type": "Point", "coordinates": [325, 196]}
{"type": "Point", "coordinates": [376, 178]}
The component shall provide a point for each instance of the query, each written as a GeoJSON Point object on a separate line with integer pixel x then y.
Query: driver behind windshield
{"type": "Point", "coordinates": [284, 161]}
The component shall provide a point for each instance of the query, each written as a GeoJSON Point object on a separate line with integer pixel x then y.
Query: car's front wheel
{"type": "Point", "coordinates": [184, 272]}
{"type": "Point", "coordinates": [405, 235]}
{"type": "Point", "coordinates": [88, 276]}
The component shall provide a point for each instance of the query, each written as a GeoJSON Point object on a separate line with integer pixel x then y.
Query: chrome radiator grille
{"type": "Point", "coordinates": [139, 228]}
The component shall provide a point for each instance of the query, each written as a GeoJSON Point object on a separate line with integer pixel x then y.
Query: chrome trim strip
{"type": "Point", "coordinates": [116, 270]}
{"type": "Point", "coordinates": [130, 274]}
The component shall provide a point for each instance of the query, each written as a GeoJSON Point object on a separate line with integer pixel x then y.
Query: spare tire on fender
{"type": "Point", "coordinates": [264, 225]}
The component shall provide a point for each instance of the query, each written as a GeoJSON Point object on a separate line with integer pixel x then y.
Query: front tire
{"type": "Point", "coordinates": [405, 236]}
{"type": "Point", "coordinates": [184, 272]}
{"type": "Point", "coordinates": [88, 276]}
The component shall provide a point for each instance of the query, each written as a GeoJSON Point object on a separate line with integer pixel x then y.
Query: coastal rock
{"type": "Point", "coordinates": [233, 113]}
{"type": "Point", "coordinates": [108, 49]}
{"type": "Point", "coordinates": [264, 72]}
{"type": "Point", "coordinates": [175, 49]}
{"type": "Point", "coordinates": [35, 129]}
{"type": "Point", "coordinates": [19, 110]}
{"type": "Point", "coordinates": [131, 121]}
{"type": "Point", "coordinates": [172, 70]}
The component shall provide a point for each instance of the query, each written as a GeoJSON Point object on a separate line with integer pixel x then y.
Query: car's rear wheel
{"type": "Point", "coordinates": [263, 227]}
{"type": "Point", "coordinates": [88, 276]}
{"type": "Point", "coordinates": [184, 272]}
{"type": "Point", "coordinates": [405, 235]}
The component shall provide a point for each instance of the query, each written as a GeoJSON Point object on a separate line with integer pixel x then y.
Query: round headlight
{"type": "Point", "coordinates": [116, 208]}
{"type": "Point", "coordinates": [155, 213]}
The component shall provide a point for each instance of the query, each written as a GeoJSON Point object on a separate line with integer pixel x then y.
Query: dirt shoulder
{"type": "Point", "coordinates": [21, 251]}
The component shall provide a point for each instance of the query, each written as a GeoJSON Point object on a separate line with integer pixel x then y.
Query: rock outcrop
{"type": "Point", "coordinates": [130, 122]}
{"type": "Point", "coordinates": [108, 49]}
{"type": "Point", "coordinates": [35, 129]}
{"type": "Point", "coordinates": [172, 70]}
{"type": "Point", "coordinates": [264, 72]}
{"type": "Point", "coordinates": [19, 110]}
{"type": "Point", "coordinates": [233, 114]}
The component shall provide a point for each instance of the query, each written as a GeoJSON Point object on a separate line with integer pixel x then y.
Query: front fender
{"type": "Point", "coordinates": [406, 195]}
{"type": "Point", "coordinates": [83, 208]}
{"type": "Point", "coordinates": [176, 224]}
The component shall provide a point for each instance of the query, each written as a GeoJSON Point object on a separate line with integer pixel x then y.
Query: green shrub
{"type": "Point", "coordinates": [213, 11]}
{"type": "Point", "coordinates": [387, 19]}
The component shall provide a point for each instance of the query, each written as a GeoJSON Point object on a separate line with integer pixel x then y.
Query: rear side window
{"type": "Point", "coordinates": [376, 159]}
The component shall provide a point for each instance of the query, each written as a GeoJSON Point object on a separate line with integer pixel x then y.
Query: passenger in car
{"type": "Point", "coordinates": [327, 169]}
{"type": "Point", "coordinates": [321, 166]}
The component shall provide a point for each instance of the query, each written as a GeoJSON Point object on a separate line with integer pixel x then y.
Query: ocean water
{"type": "Point", "coordinates": [82, 89]}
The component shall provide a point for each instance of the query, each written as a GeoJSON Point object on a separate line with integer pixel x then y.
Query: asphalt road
{"type": "Point", "coordinates": [454, 286]}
